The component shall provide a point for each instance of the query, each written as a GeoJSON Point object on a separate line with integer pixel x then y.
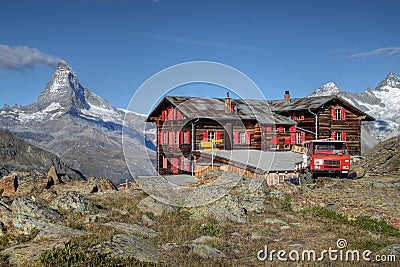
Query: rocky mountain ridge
{"type": "Point", "coordinates": [80, 127]}
{"type": "Point", "coordinates": [18, 155]}
{"type": "Point", "coordinates": [382, 103]}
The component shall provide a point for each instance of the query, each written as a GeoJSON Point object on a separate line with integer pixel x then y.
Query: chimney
{"type": "Point", "coordinates": [286, 97]}
{"type": "Point", "coordinates": [228, 104]}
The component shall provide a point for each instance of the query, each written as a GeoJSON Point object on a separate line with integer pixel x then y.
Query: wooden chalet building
{"type": "Point", "coordinates": [186, 124]}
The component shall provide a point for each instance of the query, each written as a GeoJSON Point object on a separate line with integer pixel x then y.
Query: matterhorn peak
{"type": "Point", "coordinates": [63, 88]}
{"type": "Point", "coordinates": [391, 81]}
{"type": "Point", "coordinates": [327, 89]}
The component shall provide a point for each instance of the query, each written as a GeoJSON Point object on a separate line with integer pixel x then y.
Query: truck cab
{"type": "Point", "coordinates": [325, 158]}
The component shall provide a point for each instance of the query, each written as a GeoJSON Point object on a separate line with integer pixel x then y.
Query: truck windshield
{"type": "Point", "coordinates": [330, 148]}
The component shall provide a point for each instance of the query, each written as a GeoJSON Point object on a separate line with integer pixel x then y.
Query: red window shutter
{"type": "Point", "coordinates": [160, 138]}
{"type": "Point", "coordinates": [165, 163]}
{"type": "Point", "coordinates": [235, 137]}
{"type": "Point", "coordinates": [205, 135]}
{"type": "Point", "coordinates": [294, 115]}
{"type": "Point", "coordinates": [188, 165]}
{"type": "Point", "coordinates": [333, 135]}
{"type": "Point", "coordinates": [174, 163]}
{"type": "Point", "coordinates": [170, 114]}
{"type": "Point", "coordinates": [181, 138]}
{"type": "Point", "coordinates": [178, 115]}
{"type": "Point", "coordinates": [344, 136]}
{"type": "Point", "coordinates": [248, 138]}
{"type": "Point", "coordinates": [292, 129]}
{"type": "Point", "coordinates": [281, 129]}
{"type": "Point", "coordinates": [275, 141]}
{"type": "Point", "coordinates": [269, 129]}
{"type": "Point", "coordinates": [343, 114]}
{"type": "Point", "coordinates": [163, 115]}
{"type": "Point", "coordinates": [293, 138]}
{"type": "Point", "coordinates": [302, 115]}
{"type": "Point", "coordinates": [171, 138]}
{"type": "Point", "coordinates": [287, 141]}
{"type": "Point", "coordinates": [303, 137]}
{"type": "Point", "coordinates": [334, 114]}
{"type": "Point", "coordinates": [218, 135]}
{"type": "Point", "coordinates": [182, 166]}
{"type": "Point", "coordinates": [188, 139]}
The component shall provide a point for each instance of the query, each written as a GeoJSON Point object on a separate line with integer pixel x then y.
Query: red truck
{"type": "Point", "coordinates": [324, 158]}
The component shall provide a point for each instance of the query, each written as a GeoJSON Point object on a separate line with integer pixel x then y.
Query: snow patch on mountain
{"type": "Point", "coordinates": [327, 89]}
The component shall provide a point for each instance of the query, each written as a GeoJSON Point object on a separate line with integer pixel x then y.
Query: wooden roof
{"type": "Point", "coordinates": [264, 111]}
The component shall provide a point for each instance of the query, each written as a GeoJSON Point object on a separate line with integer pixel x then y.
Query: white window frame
{"type": "Point", "coordinates": [298, 138]}
{"type": "Point", "coordinates": [339, 136]}
{"type": "Point", "coordinates": [338, 112]}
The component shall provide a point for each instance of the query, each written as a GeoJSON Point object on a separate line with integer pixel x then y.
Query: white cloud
{"type": "Point", "coordinates": [387, 51]}
{"type": "Point", "coordinates": [22, 58]}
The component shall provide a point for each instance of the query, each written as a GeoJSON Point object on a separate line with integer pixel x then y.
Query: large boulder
{"type": "Point", "coordinates": [26, 224]}
{"type": "Point", "coordinates": [9, 185]}
{"type": "Point", "coordinates": [25, 206]}
{"type": "Point", "coordinates": [207, 252]}
{"type": "Point", "coordinates": [73, 201]}
{"type": "Point", "coordinates": [124, 246]}
{"type": "Point", "coordinates": [53, 177]}
{"type": "Point", "coordinates": [19, 254]}
{"type": "Point", "coordinates": [226, 208]}
{"type": "Point", "coordinates": [101, 185]}
{"type": "Point", "coordinates": [150, 205]}
{"type": "Point", "coordinates": [133, 229]}
{"type": "Point", "coordinates": [251, 194]}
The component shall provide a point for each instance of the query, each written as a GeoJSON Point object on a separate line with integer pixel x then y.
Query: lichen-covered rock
{"type": "Point", "coordinates": [29, 185]}
{"type": "Point", "coordinates": [207, 252]}
{"type": "Point", "coordinates": [124, 246]}
{"type": "Point", "coordinates": [9, 185]}
{"type": "Point", "coordinates": [19, 254]}
{"type": "Point", "coordinates": [133, 229]}
{"type": "Point", "coordinates": [33, 209]}
{"type": "Point", "coordinates": [226, 208]}
{"type": "Point", "coordinates": [251, 194]}
{"type": "Point", "coordinates": [73, 201]}
{"type": "Point", "coordinates": [150, 205]}
{"type": "Point", "coordinates": [26, 224]}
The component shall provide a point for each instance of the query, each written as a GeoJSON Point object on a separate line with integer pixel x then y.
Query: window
{"type": "Point", "coordinates": [298, 115]}
{"type": "Point", "coordinates": [298, 138]}
{"type": "Point", "coordinates": [177, 138]}
{"type": "Point", "coordinates": [242, 138]}
{"type": "Point", "coordinates": [338, 114]}
{"type": "Point", "coordinates": [339, 136]}
{"type": "Point", "coordinates": [186, 138]}
{"type": "Point", "coordinates": [165, 138]}
{"type": "Point", "coordinates": [211, 136]}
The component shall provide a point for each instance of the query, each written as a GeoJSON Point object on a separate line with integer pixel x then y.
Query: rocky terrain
{"type": "Point", "coordinates": [49, 221]}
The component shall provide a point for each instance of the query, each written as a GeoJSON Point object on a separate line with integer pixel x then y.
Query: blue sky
{"type": "Point", "coordinates": [116, 45]}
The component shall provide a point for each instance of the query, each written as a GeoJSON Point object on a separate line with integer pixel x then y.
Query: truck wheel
{"type": "Point", "coordinates": [309, 177]}
{"type": "Point", "coordinates": [306, 178]}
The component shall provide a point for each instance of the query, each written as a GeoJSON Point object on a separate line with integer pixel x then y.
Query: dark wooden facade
{"type": "Point", "coordinates": [182, 128]}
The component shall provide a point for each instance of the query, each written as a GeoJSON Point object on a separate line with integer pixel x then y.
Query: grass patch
{"type": "Point", "coordinates": [363, 222]}
{"type": "Point", "coordinates": [74, 255]}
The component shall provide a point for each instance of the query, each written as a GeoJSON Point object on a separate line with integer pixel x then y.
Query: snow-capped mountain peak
{"type": "Point", "coordinates": [391, 81]}
{"type": "Point", "coordinates": [329, 88]}
{"type": "Point", "coordinates": [63, 88]}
